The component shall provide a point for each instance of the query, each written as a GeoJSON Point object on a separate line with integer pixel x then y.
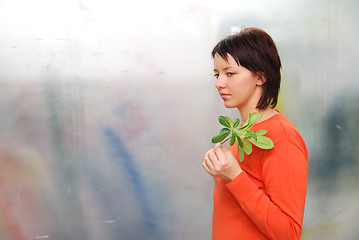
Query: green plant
{"type": "Point", "coordinates": [244, 135]}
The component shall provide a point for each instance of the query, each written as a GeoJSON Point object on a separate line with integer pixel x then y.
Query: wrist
{"type": "Point", "coordinates": [234, 175]}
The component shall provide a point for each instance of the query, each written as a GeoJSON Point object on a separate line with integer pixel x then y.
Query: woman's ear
{"type": "Point", "coordinates": [261, 78]}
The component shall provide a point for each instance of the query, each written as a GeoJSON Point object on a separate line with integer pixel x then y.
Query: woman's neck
{"type": "Point", "coordinates": [246, 111]}
{"type": "Point", "coordinates": [268, 112]}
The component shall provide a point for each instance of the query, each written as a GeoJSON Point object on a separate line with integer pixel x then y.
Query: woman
{"type": "Point", "coordinates": [263, 196]}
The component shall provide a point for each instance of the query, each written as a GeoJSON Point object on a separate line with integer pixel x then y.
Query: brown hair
{"type": "Point", "coordinates": [255, 50]}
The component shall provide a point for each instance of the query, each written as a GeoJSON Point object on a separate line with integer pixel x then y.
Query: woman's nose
{"type": "Point", "coordinates": [221, 82]}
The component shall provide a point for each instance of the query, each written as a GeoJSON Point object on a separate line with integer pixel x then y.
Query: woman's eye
{"type": "Point", "coordinates": [216, 75]}
{"type": "Point", "coordinates": [230, 74]}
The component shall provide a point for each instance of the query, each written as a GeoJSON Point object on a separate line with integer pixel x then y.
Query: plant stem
{"type": "Point", "coordinates": [225, 140]}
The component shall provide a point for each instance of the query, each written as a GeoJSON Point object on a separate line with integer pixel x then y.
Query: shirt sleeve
{"type": "Point", "coordinates": [278, 209]}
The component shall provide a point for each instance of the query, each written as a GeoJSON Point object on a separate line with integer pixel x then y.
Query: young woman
{"type": "Point", "coordinates": [263, 196]}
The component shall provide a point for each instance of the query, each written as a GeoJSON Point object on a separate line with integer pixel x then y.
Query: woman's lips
{"type": "Point", "coordinates": [224, 95]}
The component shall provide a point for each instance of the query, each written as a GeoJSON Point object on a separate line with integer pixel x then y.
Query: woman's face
{"type": "Point", "coordinates": [238, 87]}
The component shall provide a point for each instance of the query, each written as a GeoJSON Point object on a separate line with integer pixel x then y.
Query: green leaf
{"type": "Point", "coordinates": [246, 123]}
{"type": "Point", "coordinates": [224, 121]}
{"type": "Point", "coordinates": [236, 123]}
{"type": "Point", "coordinates": [249, 133]}
{"type": "Point", "coordinates": [241, 155]}
{"type": "Point", "coordinates": [244, 135]}
{"type": "Point", "coordinates": [261, 132]}
{"type": "Point", "coordinates": [251, 120]}
{"type": "Point", "coordinates": [224, 130]}
{"type": "Point", "coordinates": [221, 136]}
{"type": "Point", "coordinates": [240, 143]}
{"type": "Point", "coordinates": [230, 121]}
{"type": "Point", "coordinates": [233, 139]}
{"type": "Point", "coordinates": [240, 132]}
{"type": "Point", "coordinates": [259, 117]}
{"type": "Point", "coordinates": [266, 142]}
{"type": "Point", "coordinates": [262, 142]}
{"type": "Point", "coordinates": [247, 147]}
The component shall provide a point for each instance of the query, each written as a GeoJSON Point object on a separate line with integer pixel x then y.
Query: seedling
{"type": "Point", "coordinates": [244, 135]}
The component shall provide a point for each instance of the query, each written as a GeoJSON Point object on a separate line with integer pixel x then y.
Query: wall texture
{"type": "Point", "coordinates": [107, 108]}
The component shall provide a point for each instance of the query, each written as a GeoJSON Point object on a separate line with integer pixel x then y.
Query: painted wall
{"type": "Point", "coordinates": [107, 108]}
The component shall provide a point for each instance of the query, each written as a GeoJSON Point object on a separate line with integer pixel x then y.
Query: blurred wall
{"type": "Point", "coordinates": [107, 108]}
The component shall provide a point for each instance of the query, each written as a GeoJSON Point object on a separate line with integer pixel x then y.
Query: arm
{"type": "Point", "coordinates": [277, 210]}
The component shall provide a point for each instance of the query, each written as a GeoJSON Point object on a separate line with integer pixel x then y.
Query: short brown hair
{"type": "Point", "coordinates": [255, 50]}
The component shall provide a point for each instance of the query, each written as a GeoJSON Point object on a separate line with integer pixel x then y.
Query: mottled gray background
{"type": "Point", "coordinates": [107, 108]}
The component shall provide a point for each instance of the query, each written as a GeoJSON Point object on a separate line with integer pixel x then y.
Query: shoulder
{"type": "Point", "coordinates": [281, 129]}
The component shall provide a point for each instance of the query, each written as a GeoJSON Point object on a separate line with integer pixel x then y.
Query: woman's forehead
{"type": "Point", "coordinates": [222, 63]}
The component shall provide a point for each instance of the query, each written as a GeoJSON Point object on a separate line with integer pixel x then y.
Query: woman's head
{"type": "Point", "coordinates": [254, 49]}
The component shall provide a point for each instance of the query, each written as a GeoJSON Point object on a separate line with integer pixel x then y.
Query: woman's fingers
{"type": "Point", "coordinates": [218, 150]}
{"type": "Point", "coordinates": [204, 165]}
{"type": "Point", "coordinates": [210, 158]}
{"type": "Point", "coordinates": [218, 145]}
{"type": "Point", "coordinates": [220, 162]}
{"type": "Point", "coordinates": [210, 161]}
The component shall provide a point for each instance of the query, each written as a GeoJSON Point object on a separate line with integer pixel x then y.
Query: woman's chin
{"type": "Point", "coordinates": [229, 105]}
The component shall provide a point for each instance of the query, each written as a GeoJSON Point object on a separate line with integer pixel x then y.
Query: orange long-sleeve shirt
{"type": "Point", "coordinates": [266, 200]}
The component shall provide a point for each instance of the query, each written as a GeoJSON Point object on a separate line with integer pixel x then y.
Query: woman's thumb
{"type": "Point", "coordinates": [218, 145]}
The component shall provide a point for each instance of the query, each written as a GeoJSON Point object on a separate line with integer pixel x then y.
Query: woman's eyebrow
{"type": "Point", "coordinates": [226, 68]}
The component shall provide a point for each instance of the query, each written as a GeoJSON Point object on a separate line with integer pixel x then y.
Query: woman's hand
{"type": "Point", "coordinates": [220, 162]}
